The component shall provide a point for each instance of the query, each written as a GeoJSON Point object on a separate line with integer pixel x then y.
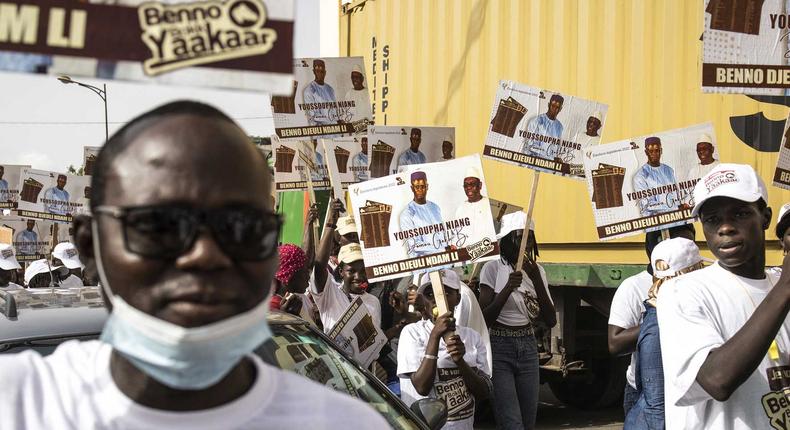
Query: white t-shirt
{"type": "Point", "coordinates": [448, 384]}
{"type": "Point", "coordinates": [698, 313]}
{"type": "Point", "coordinates": [514, 313]}
{"type": "Point", "coordinates": [627, 309]}
{"type": "Point", "coordinates": [73, 389]}
{"type": "Point", "coordinates": [333, 302]}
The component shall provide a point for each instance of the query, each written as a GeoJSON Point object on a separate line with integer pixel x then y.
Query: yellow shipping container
{"type": "Point", "coordinates": [438, 62]}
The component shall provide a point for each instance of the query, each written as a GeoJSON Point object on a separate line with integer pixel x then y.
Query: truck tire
{"type": "Point", "coordinates": [604, 389]}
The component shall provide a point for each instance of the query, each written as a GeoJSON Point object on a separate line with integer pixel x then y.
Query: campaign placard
{"type": "Point", "coordinates": [393, 147]}
{"type": "Point", "coordinates": [329, 97]}
{"type": "Point", "coordinates": [237, 44]}
{"type": "Point", "coordinates": [9, 185]}
{"type": "Point", "coordinates": [499, 209]}
{"type": "Point", "coordinates": [646, 183]}
{"type": "Point", "coordinates": [782, 172]}
{"type": "Point", "coordinates": [349, 157]}
{"type": "Point", "coordinates": [89, 154]}
{"type": "Point", "coordinates": [294, 160]}
{"type": "Point", "coordinates": [542, 129]}
{"type": "Point", "coordinates": [428, 216]}
{"type": "Point", "coordinates": [745, 47]}
{"type": "Point", "coordinates": [357, 334]}
{"type": "Point", "coordinates": [53, 196]}
{"type": "Point", "coordinates": [32, 239]}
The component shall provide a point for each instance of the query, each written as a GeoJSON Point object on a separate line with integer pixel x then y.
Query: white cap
{"type": "Point", "coordinates": [36, 267]}
{"type": "Point", "coordinates": [349, 253]}
{"type": "Point", "coordinates": [704, 138]}
{"type": "Point", "coordinates": [736, 181]}
{"type": "Point", "coordinates": [783, 211]}
{"type": "Point", "coordinates": [673, 255]}
{"type": "Point", "coordinates": [67, 253]}
{"type": "Point", "coordinates": [596, 115]}
{"type": "Point", "coordinates": [346, 225]}
{"type": "Point", "coordinates": [8, 258]}
{"type": "Point", "coordinates": [515, 221]}
{"type": "Point", "coordinates": [449, 279]}
{"type": "Point", "coordinates": [473, 172]}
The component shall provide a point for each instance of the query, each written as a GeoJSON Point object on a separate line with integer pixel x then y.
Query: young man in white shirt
{"type": "Point", "coordinates": [187, 301]}
{"type": "Point", "coordinates": [452, 368]}
{"type": "Point", "coordinates": [625, 313]}
{"type": "Point", "coordinates": [724, 329]}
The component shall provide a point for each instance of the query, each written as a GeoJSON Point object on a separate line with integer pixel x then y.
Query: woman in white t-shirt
{"type": "Point", "coordinates": [512, 303]}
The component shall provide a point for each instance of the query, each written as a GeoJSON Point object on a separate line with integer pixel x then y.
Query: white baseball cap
{"type": "Point", "coordinates": [515, 221]}
{"type": "Point", "coordinates": [349, 253]}
{"type": "Point", "coordinates": [449, 279]}
{"type": "Point", "coordinates": [346, 225]}
{"type": "Point", "coordinates": [736, 181]}
{"type": "Point", "coordinates": [36, 267]}
{"type": "Point", "coordinates": [8, 258]}
{"type": "Point", "coordinates": [783, 211]}
{"type": "Point", "coordinates": [673, 255]}
{"type": "Point", "coordinates": [67, 253]}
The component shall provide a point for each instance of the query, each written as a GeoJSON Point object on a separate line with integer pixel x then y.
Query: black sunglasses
{"type": "Point", "coordinates": [168, 231]}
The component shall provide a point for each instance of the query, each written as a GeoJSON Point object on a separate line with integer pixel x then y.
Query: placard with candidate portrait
{"type": "Point", "coordinates": [32, 239]}
{"type": "Point", "coordinates": [393, 147]}
{"type": "Point", "coordinates": [294, 160]}
{"type": "Point", "coordinates": [329, 97]}
{"type": "Point", "coordinates": [428, 216]}
{"type": "Point", "coordinates": [543, 130]}
{"type": "Point", "coordinates": [348, 156]}
{"type": "Point", "coordinates": [236, 44]}
{"type": "Point", "coordinates": [782, 171]}
{"type": "Point", "coordinates": [53, 196]}
{"type": "Point", "coordinates": [357, 334]}
{"type": "Point", "coordinates": [745, 47]}
{"type": "Point", "coordinates": [9, 185]}
{"type": "Point", "coordinates": [89, 155]}
{"type": "Point", "coordinates": [646, 183]}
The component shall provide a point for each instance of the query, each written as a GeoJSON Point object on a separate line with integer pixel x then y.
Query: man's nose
{"type": "Point", "coordinates": [727, 228]}
{"type": "Point", "coordinates": [205, 254]}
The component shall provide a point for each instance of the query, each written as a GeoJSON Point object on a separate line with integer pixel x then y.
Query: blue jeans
{"type": "Point", "coordinates": [516, 379]}
{"type": "Point", "coordinates": [630, 396]}
{"type": "Point", "coordinates": [648, 412]}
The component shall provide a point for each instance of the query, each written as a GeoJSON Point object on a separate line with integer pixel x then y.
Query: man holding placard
{"type": "Point", "coordinates": [421, 213]}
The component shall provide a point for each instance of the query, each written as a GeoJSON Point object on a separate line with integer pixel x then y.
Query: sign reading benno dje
{"type": "Point", "coordinates": [782, 172]}
{"type": "Point", "coordinates": [542, 129]}
{"type": "Point", "coordinates": [745, 47]}
{"type": "Point", "coordinates": [239, 44]}
{"type": "Point", "coordinates": [646, 183]}
{"type": "Point", "coordinates": [427, 216]}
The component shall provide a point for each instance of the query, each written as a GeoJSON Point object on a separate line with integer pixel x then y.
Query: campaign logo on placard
{"type": "Point", "coordinates": [190, 34]}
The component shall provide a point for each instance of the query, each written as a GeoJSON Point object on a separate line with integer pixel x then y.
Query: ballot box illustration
{"type": "Point", "coordinates": [738, 16]}
{"type": "Point", "coordinates": [509, 113]}
{"type": "Point", "coordinates": [31, 188]}
{"type": "Point", "coordinates": [319, 371]}
{"type": "Point", "coordinates": [608, 186]}
{"type": "Point", "coordinates": [284, 159]}
{"type": "Point", "coordinates": [341, 157]}
{"type": "Point", "coordinates": [381, 159]}
{"type": "Point", "coordinates": [90, 161]}
{"type": "Point", "coordinates": [285, 104]}
{"type": "Point", "coordinates": [365, 332]}
{"type": "Point", "coordinates": [375, 219]}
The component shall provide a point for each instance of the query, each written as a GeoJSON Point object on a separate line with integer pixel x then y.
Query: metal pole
{"type": "Point", "coordinates": [106, 121]}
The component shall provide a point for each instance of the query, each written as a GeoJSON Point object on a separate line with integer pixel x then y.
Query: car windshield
{"type": "Point", "coordinates": [297, 348]}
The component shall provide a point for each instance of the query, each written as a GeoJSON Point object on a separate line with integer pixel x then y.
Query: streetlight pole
{"type": "Point", "coordinates": [101, 92]}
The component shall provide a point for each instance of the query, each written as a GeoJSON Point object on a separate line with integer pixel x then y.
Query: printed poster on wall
{"type": "Point", "coordinates": [329, 97]}
{"type": "Point", "coordinates": [542, 130]}
{"type": "Point", "coordinates": [291, 170]}
{"type": "Point", "coordinates": [746, 47]}
{"type": "Point", "coordinates": [9, 185]}
{"type": "Point", "coordinates": [358, 335]}
{"type": "Point", "coordinates": [782, 172]}
{"type": "Point", "coordinates": [393, 147]}
{"type": "Point", "coordinates": [431, 215]}
{"type": "Point", "coordinates": [646, 183]}
{"type": "Point", "coordinates": [32, 239]}
{"type": "Point", "coordinates": [236, 44]}
{"type": "Point", "coordinates": [53, 196]}
{"type": "Point", "coordinates": [350, 156]}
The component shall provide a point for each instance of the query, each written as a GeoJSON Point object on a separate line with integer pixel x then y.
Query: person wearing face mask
{"type": "Point", "coordinates": [333, 299]}
{"type": "Point", "coordinates": [188, 305]}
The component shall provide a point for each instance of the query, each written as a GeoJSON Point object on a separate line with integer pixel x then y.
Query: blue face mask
{"type": "Point", "coordinates": [180, 357]}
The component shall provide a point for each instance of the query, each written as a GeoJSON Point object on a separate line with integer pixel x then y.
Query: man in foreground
{"type": "Point", "coordinates": [188, 304]}
{"type": "Point", "coordinates": [724, 329]}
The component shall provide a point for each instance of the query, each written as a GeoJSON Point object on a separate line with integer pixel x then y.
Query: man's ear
{"type": "Point", "coordinates": [767, 215]}
{"type": "Point", "coordinates": [83, 238]}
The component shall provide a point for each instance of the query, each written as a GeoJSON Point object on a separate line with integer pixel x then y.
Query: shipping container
{"type": "Point", "coordinates": [438, 63]}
